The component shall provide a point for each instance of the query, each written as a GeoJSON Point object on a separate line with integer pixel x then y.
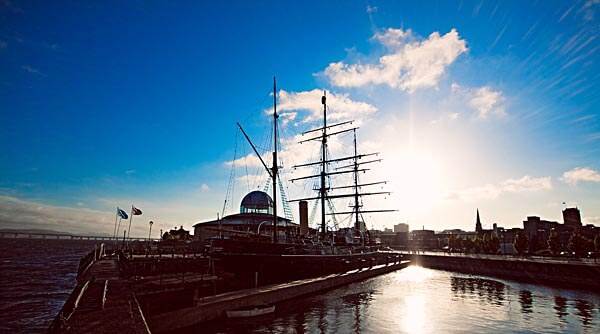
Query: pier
{"type": "Point", "coordinates": [102, 301]}
{"type": "Point", "coordinates": [158, 292]}
{"type": "Point", "coordinates": [37, 235]}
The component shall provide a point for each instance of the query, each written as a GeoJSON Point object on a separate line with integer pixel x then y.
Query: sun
{"type": "Point", "coordinates": [416, 179]}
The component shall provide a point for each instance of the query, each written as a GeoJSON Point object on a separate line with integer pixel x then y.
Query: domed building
{"type": "Point", "coordinates": [255, 221]}
{"type": "Point", "coordinates": [257, 202]}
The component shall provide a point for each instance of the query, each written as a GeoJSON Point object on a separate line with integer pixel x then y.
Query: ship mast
{"type": "Point", "coordinates": [273, 171]}
{"type": "Point", "coordinates": [275, 168]}
{"type": "Point", "coordinates": [323, 196]}
{"type": "Point", "coordinates": [323, 189]}
{"type": "Point", "coordinates": [357, 224]}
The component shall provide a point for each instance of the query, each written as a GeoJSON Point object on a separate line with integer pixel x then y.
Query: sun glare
{"type": "Point", "coordinates": [413, 274]}
{"type": "Point", "coordinates": [416, 178]}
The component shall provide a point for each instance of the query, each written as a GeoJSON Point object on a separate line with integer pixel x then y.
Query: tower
{"type": "Point", "coordinates": [478, 227]}
{"type": "Point", "coordinates": [572, 217]}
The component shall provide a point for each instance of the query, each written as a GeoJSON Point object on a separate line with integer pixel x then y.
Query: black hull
{"type": "Point", "coordinates": [250, 270]}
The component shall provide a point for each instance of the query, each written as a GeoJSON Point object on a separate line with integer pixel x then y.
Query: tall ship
{"type": "Point", "coordinates": [175, 284]}
{"type": "Point", "coordinates": [260, 247]}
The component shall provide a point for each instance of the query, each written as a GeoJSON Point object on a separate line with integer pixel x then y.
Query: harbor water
{"type": "Point", "coordinates": [38, 275]}
{"type": "Point", "coordinates": [421, 300]}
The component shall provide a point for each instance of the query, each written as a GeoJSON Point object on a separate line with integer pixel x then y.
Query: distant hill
{"type": "Point", "coordinates": [32, 230]}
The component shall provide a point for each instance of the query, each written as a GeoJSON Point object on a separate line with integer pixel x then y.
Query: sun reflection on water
{"type": "Point", "coordinates": [413, 310]}
{"type": "Point", "coordinates": [414, 274]}
{"type": "Point", "coordinates": [414, 314]}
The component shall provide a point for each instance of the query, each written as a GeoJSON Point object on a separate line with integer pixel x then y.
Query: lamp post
{"type": "Point", "coordinates": [503, 245]}
{"type": "Point", "coordinates": [150, 232]}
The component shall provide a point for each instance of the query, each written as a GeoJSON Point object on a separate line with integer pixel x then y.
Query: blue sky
{"type": "Point", "coordinates": [472, 104]}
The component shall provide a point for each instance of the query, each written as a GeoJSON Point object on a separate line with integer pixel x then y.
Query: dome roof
{"type": "Point", "coordinates": [257, 200]}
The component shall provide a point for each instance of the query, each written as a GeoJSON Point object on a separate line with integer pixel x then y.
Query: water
{"type": "Point", "coordinates": [420, 300]}
{"type": "Point", "coordinates": [38, 275]}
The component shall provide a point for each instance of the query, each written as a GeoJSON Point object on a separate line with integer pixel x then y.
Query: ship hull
{"type": "Point", "coordinates": [252, 269]}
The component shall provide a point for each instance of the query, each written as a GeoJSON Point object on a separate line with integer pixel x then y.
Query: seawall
{"type": "Point", "coordinates": [215, 307]}
{"type": "Point", "coordinates": [585, 276]}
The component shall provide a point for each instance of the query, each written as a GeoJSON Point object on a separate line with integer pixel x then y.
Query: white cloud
{"type": "Point", "coordinates": [487, 101]}
{"type": "Point", "coordinates": [484, 100]}
{"type": "Point", "coordinates": [371, 9]}
{"type": "Point", "coordinates": [493, 191]}
{"type": "Point", "coordinates": [20, 213]}
{"type": "Point", "coordinates": [527, 184]}
{"type": "Point", "coordinates": [393, 38]}
{"type": "Point", "coordinates": [296, 110]}
{"type": "Point", "coordinates": [580, 174]}
{"type": "Point", "coordinates": [204, 187]}
{"type": "Point", "coordinates": [17, 213]}
{"type": "Point", "coordinates": [408, 65]}
{"type": "Point", "coordinates": [341, 107]}
{"type": "Point", "coordinates": [30, 69]}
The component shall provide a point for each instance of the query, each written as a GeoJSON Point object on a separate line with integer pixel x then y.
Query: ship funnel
{"type": "Point", "coordinates": [303, 205]}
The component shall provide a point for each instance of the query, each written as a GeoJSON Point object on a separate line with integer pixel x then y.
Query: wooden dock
{"type": "Point", "coordinates": [135, 294]}
{"type": "Point", "coordinates": [102, 302]}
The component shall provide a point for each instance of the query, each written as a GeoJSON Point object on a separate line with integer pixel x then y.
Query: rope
{"type": "Point", "coordinates": [230, 185]}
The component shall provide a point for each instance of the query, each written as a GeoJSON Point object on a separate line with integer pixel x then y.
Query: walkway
{"type": "Point", "coordinates": [107, 303]}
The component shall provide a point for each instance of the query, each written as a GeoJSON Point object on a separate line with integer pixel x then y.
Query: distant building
{"type": "Point", "coordinates": [423, 239]}
{"type": "Point", "coordinates": [443, 237]}
{"type": "Point", "coordinates": [401, 239]}
{"type": "Point", "coordinates": [177, 235]}
{"type": "Point", "coordinates": [538, 230]}
{"type": "Point", "coordinates": [254, 220]}
{"type": "Point", "coordinates": [401, 228]}
{"type": "Point", "coordinates": [506, 238]}
{"type": "Point", "coordinates": [572, 217]}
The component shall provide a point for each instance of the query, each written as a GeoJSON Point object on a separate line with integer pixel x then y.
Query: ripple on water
{"type": "Point", "coordinates": [420, 300]}
{"type": "Point", "coordinates": [37, 277]}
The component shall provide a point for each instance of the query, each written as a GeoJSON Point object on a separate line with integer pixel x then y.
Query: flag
{"type": "Point", "coordinates": [122, 213]}
{"type": "Point", "coordinates": [135, 211]}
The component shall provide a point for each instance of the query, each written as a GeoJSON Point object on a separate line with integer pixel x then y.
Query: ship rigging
{"type": "Point", "coordinates": [326, 192]}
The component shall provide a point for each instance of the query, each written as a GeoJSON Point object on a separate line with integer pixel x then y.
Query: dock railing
{"type": "Point", "coordinates": [86, 262]}
{"type": "Point", "coordinates": [59, 322]}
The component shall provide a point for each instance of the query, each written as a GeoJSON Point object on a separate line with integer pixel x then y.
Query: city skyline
{"type": "Point", "coordinates": [112, 104]}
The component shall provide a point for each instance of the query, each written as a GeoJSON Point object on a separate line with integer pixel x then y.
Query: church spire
{"type": "Point", "coordinates": [478, 227]}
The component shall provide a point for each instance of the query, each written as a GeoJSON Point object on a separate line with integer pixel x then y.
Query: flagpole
{"type": "Point", "coordinates": [129, 228]}
{"type": "Point", "coordinates": [116, 217]}
{"type": "Point", "coordinates": [118, 228]}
